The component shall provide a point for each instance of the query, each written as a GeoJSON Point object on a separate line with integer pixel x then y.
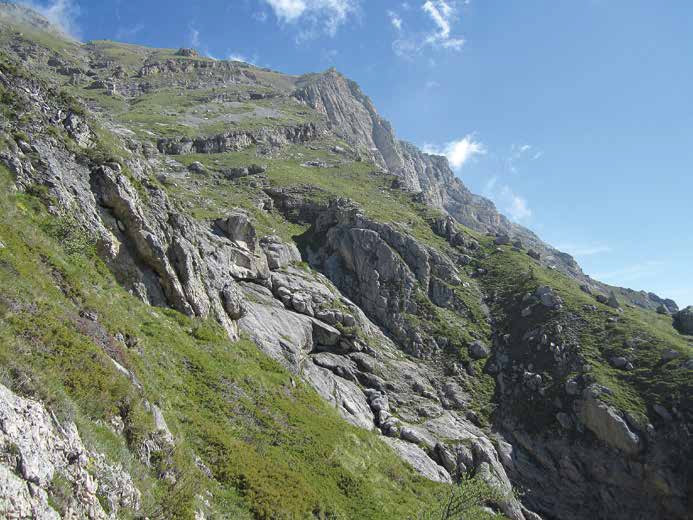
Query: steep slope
{"type": "Point", "coordinates": [230, 281]}
{"type": "Point", "coordinates": [352, 116]}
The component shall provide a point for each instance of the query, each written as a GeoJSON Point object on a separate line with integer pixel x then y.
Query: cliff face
{"type": "Point", "coordinates": [353, 117]}
{"type": "Point", "coordinates": [243, 297]}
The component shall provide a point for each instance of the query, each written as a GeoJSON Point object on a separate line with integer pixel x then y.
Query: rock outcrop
{"type": "Point", "coordinates": [46, 472]}
{"type": "Point", "coordinates": [683, 320]}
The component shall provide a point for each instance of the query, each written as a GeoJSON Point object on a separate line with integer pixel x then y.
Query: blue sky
{"type": "Point", "coordinates": [575, 117]}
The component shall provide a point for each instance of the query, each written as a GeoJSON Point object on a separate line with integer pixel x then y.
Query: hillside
{"type": "Point", "coordinates": [228, 292]}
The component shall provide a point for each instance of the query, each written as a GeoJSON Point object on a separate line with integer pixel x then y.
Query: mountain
{"type": "Point", "coordinates": [228, 292]}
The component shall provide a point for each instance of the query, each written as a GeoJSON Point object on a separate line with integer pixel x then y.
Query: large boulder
{"type": "Point", "coordinates": [239, 228]}
{"type": "Point", "coordinates": [606, 423]}
{"type": "Point", "coordinates": [548, 297]}
{"type": "Point", "coordinates": [477, 350]}
{"type": "Point", "coordinates": [279, 254]}
{"type": "Point", "coordinates": [683, 320]}
{"type": "Point", "coordinates": [419, 460]}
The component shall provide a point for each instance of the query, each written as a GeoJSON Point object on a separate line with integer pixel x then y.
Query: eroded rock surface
{"type": "Point", "coordinates": [37, 453]}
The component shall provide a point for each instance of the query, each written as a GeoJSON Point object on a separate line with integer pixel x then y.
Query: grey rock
{"type": "Point", "coordinates": [613, 301]}
{"type": "Point", "coordinates": [232, 300]}
{"type": "Point", "coordinates": [608, 425]}
{"type": "Point", "coordinates": [619, 362]}
{"type": "Point", "coordinates": [324, 334]}
{"type": "Point", "coordinates": [197, 167]}
{"type": "Point", "coordinates": [345, 395]}
{"type": "Point", "coordinates": [662, 412]}
{"type": "Point", "coordinates": [683, 320]}
{"type": "Point", "coordinates": [564, 420]}
{"type": "Point", "coordinates": [502, 240]}
{"type": "Point", "coordinates": [279, 254]}
{"type": "Point", "coordinates": [238, 227]}
{"type": "Point", "coordinates": [44, 449]}
{"type": "Point", "coordinates": [416, 436]}
{"type": "Point", "coordinates": [419, 460]}
{"type": "Point", "coordinates": [669, 354]}
{"type": "Point", "coordinates": [547, 297]}
{"type": "Point", "coordinates": [662, 309]}
{"type": "Point", "coordinates": [572, 387]}
{"type": "Point", "coordinates": [477, 350]}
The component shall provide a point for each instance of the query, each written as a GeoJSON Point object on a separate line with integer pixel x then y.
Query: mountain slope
{"type": "Point", "coordinates": [242, 288]}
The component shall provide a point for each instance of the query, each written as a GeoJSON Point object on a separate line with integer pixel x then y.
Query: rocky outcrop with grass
{"type": "Point", "coordinates": [253, 301]}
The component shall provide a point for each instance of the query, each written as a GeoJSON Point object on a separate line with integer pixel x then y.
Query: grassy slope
{"type": "Point", "coordinates": [271, 443]}
{"type": "Point", "coordinates": [640, 335]}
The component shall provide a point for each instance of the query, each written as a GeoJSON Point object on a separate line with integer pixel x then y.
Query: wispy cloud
{"type": "Point", "coordinates": [458, 152]}
{"type": "Point", "coordinates": [195, 40]}
{"type": "Point", "coordinates": [509, 203]}
{"type": "Point", "coordinates": [395, 20]}
{"type": "Point", "coordinates": [329, 55]}
{"type": "Point", "coordinates": [315, 16]}
{"type": "Point", "coordinates": [432, 84]}
{"type": "Point", "coordinates": [631, 272]}
{"type": "Point", "coordinates": [127, 33]}
{"type": "Point", "coordinates": [194, 36]}
{"type": "Point", "coordinates": [519, 152]}
{"type": "Point", "coordinates": [442, 14]}
{"type": "Point", "coordinates": [260, 16]}
{"type": "Point", "coordinates": [235, 56]}
{"type": "Point", "coordinates": [61, 13]}
{"type": "Point", "coordinates": [583, 250]}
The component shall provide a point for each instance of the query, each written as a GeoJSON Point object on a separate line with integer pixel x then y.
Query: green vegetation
{"type": "Point", "coordinates": [273, 446]}
{"type": "Point", "coordinates": [463, 501]}
{"type": "Point", "coordinates": [593, 335]}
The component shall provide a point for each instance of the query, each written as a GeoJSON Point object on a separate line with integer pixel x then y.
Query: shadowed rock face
{"type": "Point", "coordinates": [683, 320]}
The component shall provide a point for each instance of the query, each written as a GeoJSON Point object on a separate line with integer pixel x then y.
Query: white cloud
{"type": "Point", "coordinates": [327, 15]}
{"type": "Point", "coordinates": [458, 152]}
{"type": "Point", "coordinates": [516, 206]}
{"type": "Point", "coordinates": [195, 41]}
{"type": "Point", "coordinates": [508, 202]}
{"type": "Point", "coordinates": [395, 20]}
{"type": "Point", "coordinates": [443, 14]}
{"type": "Point", "coordinates": [239, 57]}
{"type": "Point", "coordinates": [61, 13]}
{"type": "Point", "coordinates": [194, 36]}
{"type": "Point", "coordinates": [432, 84]}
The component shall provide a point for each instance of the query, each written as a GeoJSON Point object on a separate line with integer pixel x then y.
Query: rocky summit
{"type": "Point", "coordinates": [228, 292]}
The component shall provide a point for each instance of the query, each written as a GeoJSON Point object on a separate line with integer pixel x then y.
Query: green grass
{"type": "Point", "coordinates": [274, 447]}
{"type": "Point", "coordinates": [594, 336]}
